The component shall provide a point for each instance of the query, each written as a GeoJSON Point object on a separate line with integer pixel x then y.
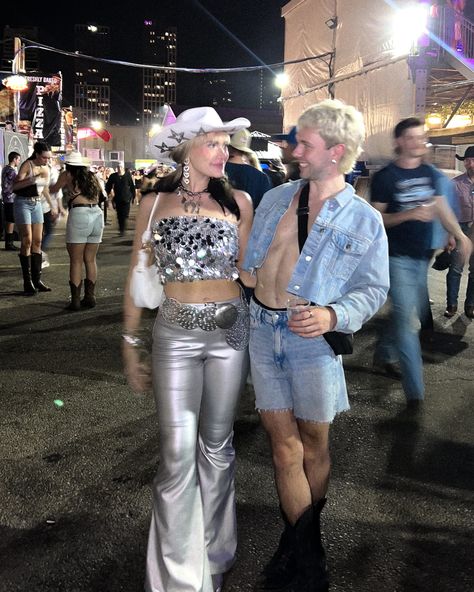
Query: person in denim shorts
{"type": "Point", "coordinates": [30, 185]}
{"type": "Point", "coordinates": [84, 228]}
{"type": "Point", "coordinates": [342, 272]}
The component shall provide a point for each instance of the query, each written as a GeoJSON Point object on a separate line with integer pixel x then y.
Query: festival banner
{"type": "Point", "coordinates": [40, 108]}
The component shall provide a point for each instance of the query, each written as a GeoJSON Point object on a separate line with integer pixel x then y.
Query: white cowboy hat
{"type": "Point", "coordinates": [75, 158]}
{"type": "Point", "coordinates": [241, 141]}
{"type": "Point", "coordinates": [189, 124]}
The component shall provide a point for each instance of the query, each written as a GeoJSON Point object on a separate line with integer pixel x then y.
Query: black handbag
{"type": "Point", "coordinates": [340, 343]}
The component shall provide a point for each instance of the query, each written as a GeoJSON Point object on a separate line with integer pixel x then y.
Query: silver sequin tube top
{"type": "Point", "coordinates": [190, 248]}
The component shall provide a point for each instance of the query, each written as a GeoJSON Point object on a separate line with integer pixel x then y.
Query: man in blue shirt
{"type": "Point", "coordinates": [405, 193]}
{"type": "Point", "coordinates": [298, 378]}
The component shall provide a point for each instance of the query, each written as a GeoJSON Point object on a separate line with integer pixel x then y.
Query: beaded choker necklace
{"type": "Point", "coordinates": [191, 201]}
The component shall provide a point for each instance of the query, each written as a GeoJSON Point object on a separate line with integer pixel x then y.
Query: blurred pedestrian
{"type": "Point", "coordinates": [103, 173]}
{"type": "Point", "coordinates": [50, 218]}
{"type": "Point", "coordinates": [9, 174]}
{"type": "Point", "coordinates": [30, 185]}
{"type": "Point", "coordinates": [405, 193]}
{"type": "Point", "coordinates": [121, 187]}
{"type": "Point", "coordinates": [199, 227]}
{"type": "Point", "coordinates": [464, 186]}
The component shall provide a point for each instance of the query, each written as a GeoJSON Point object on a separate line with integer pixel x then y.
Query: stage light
{"type": "Point", "coordinates": [434, 120]}
{"type": "Point", "coordinates": [281, 79]}
{"type": "Point", "coordinates": [409, 25]}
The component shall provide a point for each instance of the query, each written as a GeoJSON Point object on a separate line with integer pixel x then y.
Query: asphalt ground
{"type": "Point", "coordinates": [78, 453]}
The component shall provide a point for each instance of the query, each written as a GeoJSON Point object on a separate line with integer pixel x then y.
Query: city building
{"type": "Point", "coordinates": [31, 56]}
{"type": "Point", "coordinates": [159, 86]}
{"type": "Point", "coordinates": [92, 78]}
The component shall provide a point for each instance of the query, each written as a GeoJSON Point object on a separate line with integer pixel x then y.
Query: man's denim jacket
{"type": "Point", "coordinates": [344, 262]}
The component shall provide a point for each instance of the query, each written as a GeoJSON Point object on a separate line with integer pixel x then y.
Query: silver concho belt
{"type": "Point", "coordinates": [233, 318]}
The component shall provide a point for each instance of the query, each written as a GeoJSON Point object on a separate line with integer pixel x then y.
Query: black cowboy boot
{"type": "Point", "coordinates": [9, 245]}
{"type": "Point", "coordinates": [75, 303]}
{"type": "Point", "coordinates": [89, 294]}
{"type": "Point", "coordinates": [280, 571]}
{"type": "Point", "coordinates": [310, 556]}
{"type": "Point", "coordinates": [36, 260]}
{"type": "Point", "coordinates": [28, 286]}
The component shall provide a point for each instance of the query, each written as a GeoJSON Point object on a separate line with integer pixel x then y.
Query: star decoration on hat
{"type": "Point", "coordinates": [200, 131]}
{"type": "Point", "coordinates": [163, 147]}
{"type": "Point", "coordinates": [177, 137]}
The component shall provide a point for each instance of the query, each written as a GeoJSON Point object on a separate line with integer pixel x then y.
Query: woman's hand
{"type": "Point", "coordinates": [137, 372]}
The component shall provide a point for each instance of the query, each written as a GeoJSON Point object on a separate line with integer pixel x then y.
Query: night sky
{"type": "Point", "coordinates": [201, 42]}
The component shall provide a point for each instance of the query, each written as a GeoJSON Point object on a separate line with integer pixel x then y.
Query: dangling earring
{"type": "Point", "coordinates": [334, 161]}
{"type": "Point", "coordinates": [186, 171]}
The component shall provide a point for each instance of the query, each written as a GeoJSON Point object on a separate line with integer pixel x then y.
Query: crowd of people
{"type": "Point", "coordinates": [313, 239]}
{"type": "Point", "coordinates": [46, 187]}
{"type": "Point", "coordinates": [269, 270]}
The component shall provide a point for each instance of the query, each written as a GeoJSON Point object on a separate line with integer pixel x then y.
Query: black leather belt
{"type": "Point", "coordinates": [84, 205]}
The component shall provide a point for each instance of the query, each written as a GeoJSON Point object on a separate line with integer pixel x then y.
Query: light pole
{"type": "Point", "coordinates": [18, 66]}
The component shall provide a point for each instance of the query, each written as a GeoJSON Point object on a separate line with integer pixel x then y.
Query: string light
{"type": "Point", "coordinates": [34, 45]}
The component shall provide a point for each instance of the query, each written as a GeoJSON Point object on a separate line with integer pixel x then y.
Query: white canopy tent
{"type": "Point", "coordinates": [364, 71]}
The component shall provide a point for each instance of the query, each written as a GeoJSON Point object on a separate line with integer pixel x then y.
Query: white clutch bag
{"type": "Point", "coordinates": [146, 289]}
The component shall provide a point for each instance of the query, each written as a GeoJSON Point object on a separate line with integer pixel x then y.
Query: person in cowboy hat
{"type": "Point", "coordinates": [199, 228]}
{"type": "Point", "coordinates": [464, 187]}
{"type": "Point", "coordinates": [84, 227]}
{"type": "Point", "coordinates": [243, 169]}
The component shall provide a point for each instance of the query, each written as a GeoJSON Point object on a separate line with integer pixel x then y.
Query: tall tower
{"type": "Point", "coordinates": [92, 89]}
{"type": "Point", "coordinates": [159, 86]}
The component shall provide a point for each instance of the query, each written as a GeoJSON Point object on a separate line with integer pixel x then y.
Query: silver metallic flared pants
{"type": "Point", "coordinates": [197, 380]}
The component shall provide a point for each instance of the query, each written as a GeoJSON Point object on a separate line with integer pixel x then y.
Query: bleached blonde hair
{"type": "Point", "coordinates": [337, 123]}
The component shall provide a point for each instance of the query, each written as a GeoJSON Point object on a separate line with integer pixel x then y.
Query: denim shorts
{"type": "Point", "coordinates": [85, 225]}
{"type": "Point", "coordinates": [294, 373]}
{"type": "Point", "coordinates": [28, 210]}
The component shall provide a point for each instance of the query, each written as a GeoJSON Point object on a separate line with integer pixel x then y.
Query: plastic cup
{"type": "Point", "coordinates": [296, 305]}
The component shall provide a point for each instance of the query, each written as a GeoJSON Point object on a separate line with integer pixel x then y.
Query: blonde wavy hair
{"type": "Point", "coordinates": [337, 123]}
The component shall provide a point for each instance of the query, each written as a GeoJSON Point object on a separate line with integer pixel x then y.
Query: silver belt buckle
{"type": "Point", "coordinates": [225, 315]}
